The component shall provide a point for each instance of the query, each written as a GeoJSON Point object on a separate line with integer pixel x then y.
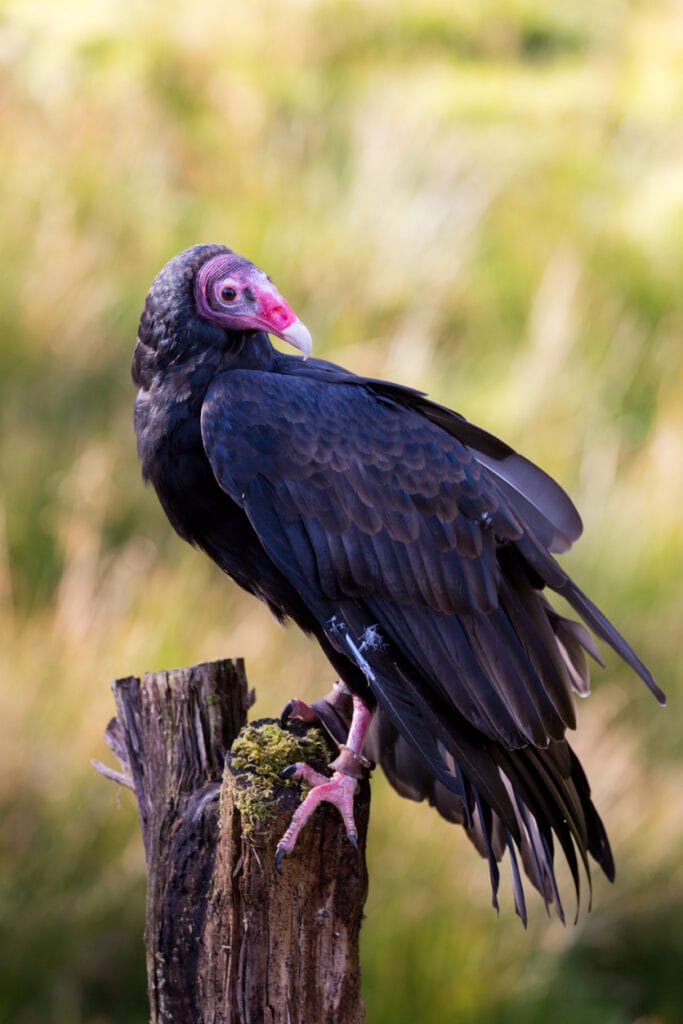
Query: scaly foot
{"type": "Point", "coordinates": [333, 712]}
{"type": "Point", "coordinates": [340, 789]}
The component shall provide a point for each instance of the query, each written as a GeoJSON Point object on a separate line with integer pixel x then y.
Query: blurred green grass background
{"type": "Point", "coordinates": [482, 199]}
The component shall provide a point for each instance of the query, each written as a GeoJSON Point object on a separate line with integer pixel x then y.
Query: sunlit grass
{"type": "Point", "coordinates": [485, 202]}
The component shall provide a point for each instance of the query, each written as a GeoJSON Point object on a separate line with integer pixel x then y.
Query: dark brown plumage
{"type": "Point", "coordinates": [416, 548]}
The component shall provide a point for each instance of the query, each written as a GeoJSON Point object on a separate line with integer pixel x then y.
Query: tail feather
{"type": "Point", "coordinates": [517, 887]}
{"type": "Point", "coordinates": [603, 628]}
{"type": "Point", "coordinates": [472, 713]}
{"type": "Point", "coordinates": [550, 795]}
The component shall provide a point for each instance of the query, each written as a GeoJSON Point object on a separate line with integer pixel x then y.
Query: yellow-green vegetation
{"type": "Point", "coordinates": [259, 755]}
{"type": "Point", "coordinates": [483, 198]}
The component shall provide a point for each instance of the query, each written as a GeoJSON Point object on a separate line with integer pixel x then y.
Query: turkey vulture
{"type": "Point", "coordinates": [414, 546]}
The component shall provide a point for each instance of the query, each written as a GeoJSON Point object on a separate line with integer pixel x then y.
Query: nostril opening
{"type": "Point", "coordinates": [276, 312]}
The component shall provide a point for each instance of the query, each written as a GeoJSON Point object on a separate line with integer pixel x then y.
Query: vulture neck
{"type": "Point", "coordinates": [173, 379]}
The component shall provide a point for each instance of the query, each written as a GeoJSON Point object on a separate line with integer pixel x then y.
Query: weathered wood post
{"type": "Point", "coordinates": [230, 941]}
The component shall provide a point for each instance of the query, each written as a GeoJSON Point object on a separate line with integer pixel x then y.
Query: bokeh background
{"type": "Point", "coordinates": [482, 199]}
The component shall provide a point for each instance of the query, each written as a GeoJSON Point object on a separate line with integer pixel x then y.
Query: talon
{"type": "Point", "coordinates": [296, 708]}
{"type": "Point", "coordinates": [279, 856]}
{"type": "Point", "coordinates": [286, 714]}
{"type": "Point", "coordinates": [340, 789]}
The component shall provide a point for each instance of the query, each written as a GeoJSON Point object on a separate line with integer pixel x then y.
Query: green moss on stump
{"type": "Point", "coordinates": [257, 759]}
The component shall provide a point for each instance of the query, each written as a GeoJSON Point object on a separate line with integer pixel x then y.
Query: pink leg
{"type": "Point", "coordinates": [339, 790]}
{"type": "Point", "coordinates": [360, 723]}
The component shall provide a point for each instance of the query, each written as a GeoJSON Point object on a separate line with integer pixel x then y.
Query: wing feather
{"type": "Point", "coordinates": [385, 510]}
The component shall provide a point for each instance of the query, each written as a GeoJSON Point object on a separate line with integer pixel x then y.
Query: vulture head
{"type": "Point", "coordinates": [209, 297]}
{"type": "Point", "coordinates": [233, 293]}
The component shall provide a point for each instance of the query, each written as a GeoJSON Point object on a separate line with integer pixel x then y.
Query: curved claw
{"type": "Point", "coordinates": [340, 789]}
{"type": "Point", "coordinates": [296, 708]}
{"type": "Point", "coordinates": [286, 714]}
{"type": "Point", "coordinates": [279, 856]}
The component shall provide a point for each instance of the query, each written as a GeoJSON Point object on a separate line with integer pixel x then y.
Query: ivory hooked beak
{"type": "Point", "coordinates": [297, 334]}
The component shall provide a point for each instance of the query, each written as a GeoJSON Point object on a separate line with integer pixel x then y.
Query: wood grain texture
{"type": "Point", "coordinates": [228, 939]}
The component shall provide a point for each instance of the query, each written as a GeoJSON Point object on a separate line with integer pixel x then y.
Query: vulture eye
{"type": "Point", "coordinates": [228, 294]}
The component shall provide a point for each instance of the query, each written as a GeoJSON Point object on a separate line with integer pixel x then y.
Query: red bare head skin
{"type": "Point", "coordinates": [232, 292]}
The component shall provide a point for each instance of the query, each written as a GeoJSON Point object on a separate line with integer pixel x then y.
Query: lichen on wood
{"type": "Point", "coordinates": [257, 759]}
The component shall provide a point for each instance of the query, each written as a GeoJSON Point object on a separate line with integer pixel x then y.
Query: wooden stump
{"type": "Point", "coordinates": [228, 938]}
